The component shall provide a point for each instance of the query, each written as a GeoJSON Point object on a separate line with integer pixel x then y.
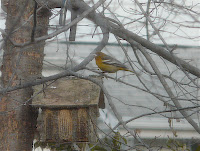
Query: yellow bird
{"type": "Point", "coordinates": [109, 64]}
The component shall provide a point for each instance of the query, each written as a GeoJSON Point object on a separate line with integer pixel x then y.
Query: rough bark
{"type": "Point", "coordinates": [20, 65]}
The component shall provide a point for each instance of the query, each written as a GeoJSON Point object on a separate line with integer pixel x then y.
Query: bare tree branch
{"type": "Point", "coordinates": [167, 88]}
{"type": "Point", "coordinates": [120, 32]}
{"type": "Point", "coordinates": [81, 66]}
{"type": "Point", "coordinates": [128, 35]}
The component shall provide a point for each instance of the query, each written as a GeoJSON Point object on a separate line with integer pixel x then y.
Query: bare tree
{"type": "Point", "coordinates": [24, 39]}
{"type": "Point", "coordinates": [21, 65]}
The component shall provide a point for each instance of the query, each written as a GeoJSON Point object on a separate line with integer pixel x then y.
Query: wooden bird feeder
{"type": "Point", "coordinates": [70, 108]}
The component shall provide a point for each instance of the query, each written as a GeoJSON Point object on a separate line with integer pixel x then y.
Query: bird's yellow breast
{"type": "Point", "coordinates": [105, 67]}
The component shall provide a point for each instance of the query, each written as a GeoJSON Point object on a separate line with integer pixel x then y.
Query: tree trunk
{"type": "Point", "coordinates": [20, 65]}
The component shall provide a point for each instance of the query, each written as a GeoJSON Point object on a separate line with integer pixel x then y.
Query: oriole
{"type": "Point", "coordinates": [109, 64]}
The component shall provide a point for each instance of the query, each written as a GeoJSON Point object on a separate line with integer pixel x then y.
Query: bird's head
{"type": "Point", "coordinates": [100, 54]}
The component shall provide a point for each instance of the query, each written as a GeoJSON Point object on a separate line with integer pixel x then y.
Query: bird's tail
{"type": "Point", "coordinates": [130, 70]}
{"type": "Point", "coordinates": [126, 69]}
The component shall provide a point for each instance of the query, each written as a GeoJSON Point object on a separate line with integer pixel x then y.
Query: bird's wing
{"type": "Point", "coordinates": [112, 61]}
